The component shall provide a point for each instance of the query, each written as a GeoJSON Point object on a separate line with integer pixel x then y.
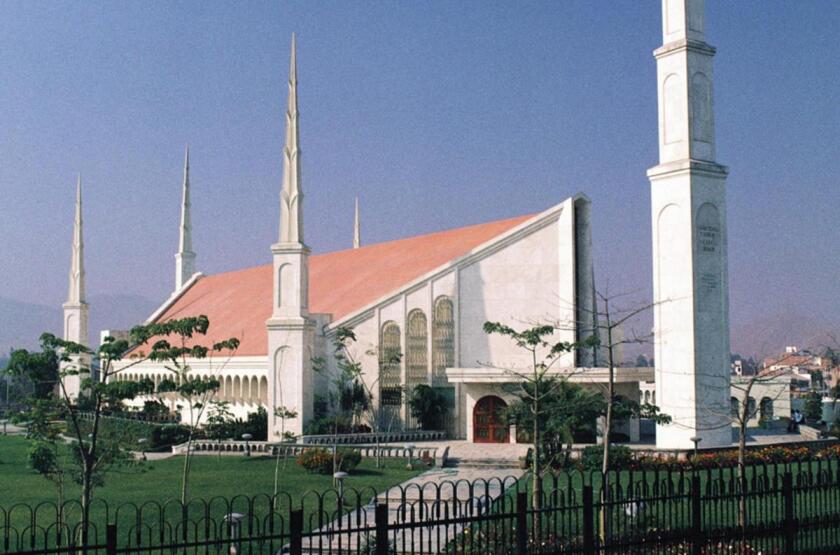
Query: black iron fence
{"type": "Point", "coordinates": [774, 509]}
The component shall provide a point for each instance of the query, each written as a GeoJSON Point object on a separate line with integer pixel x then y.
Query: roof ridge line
{"type": "Point", "coordinates": [528, 221]}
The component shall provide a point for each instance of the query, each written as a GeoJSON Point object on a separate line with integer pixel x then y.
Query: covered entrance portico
{"type": "Point", "coordinates": [488, 391]}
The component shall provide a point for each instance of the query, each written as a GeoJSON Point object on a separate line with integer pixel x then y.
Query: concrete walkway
{"type": "Point", "coordinates": [464, 453]}
{"type": "Point", "coordinates": [436, 494]}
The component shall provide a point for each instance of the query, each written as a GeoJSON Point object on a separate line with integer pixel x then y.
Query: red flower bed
{"type": "Point", "coordinates": [774, 454]}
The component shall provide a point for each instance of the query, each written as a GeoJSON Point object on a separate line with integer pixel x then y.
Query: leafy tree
{"type": "Point", "coordinates": [537, 386]}
{"type": "Point", "coordinates": [38, 370]}
{"type": "Point", "coordinates": [813, 406]}
{"type": "Point", "coordinates": [429, 406]}
{"type": "Point", "coordinates": [93, 453]}
{"type": "Point", "coordinates": [567, 410]}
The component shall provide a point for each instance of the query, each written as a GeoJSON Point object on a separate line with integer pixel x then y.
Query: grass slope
{"type": "Point", "coordinates": [212, 478]}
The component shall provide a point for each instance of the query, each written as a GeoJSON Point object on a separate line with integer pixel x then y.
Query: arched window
{"type": "Point", "coordinates": [416, 349]}
{"type": "Point", "coordinates": [750, 408]}
{"type": "Point", "coordinates": [283, 276]}
{"type": "Point", "coordinates": [264, 390]}
{"type": "Point", "coordinates": [443, 339]}
{"type": "Point", "coordinates": [765, 409]}
{"type": "Point", "coordinates": [734, 407]}
{"type": "Point", "coordinates": [416, 355]}
{"type": "Point", "coordinates": [390, 361]}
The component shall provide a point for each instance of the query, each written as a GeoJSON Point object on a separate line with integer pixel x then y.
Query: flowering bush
{"type": "Point", "coordinates": [830, 452]}
{"type": "Point", "coordinates": [320, 460]}
{"type": "Point", "coordinates": [775, 454]}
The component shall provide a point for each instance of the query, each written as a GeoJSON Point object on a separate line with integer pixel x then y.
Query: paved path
{"type": "Point", "coordinates": [7, 428]}
{"type": "Point", "coordinates": [438, 493]}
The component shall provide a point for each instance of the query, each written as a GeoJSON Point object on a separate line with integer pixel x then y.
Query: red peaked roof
{"type": "Point", "coordinates": [238, 303]}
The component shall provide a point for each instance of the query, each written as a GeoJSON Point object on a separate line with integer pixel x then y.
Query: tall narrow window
{"type": "Point", "coordinates": [390, 356]}
{"type": "Point", "coordinates": [416, 350]}
{"type": "Point", "coordinates": [443, 339]}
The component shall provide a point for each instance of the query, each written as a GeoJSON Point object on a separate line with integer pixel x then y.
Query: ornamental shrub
{"type": "Point", "coordinates": [592, 457]}
{"type": "Point", "coordinates": [164, 437]}
{"type": "Point", "coordinates": [319, 460]}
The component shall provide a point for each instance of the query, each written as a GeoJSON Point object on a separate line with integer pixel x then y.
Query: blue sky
{"type": "Point", "coordinates": [436, 114]}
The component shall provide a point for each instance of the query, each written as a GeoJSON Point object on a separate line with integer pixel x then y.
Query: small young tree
{"type": "Point", "coordinates": [90, 457]}
{"type": "Point", "coordinates": [744, 411]}
{"type": "Point", "coordinates": [218, 422]}
{"type": "Point", "coordinates": [362, 402]}
{"type": "Point", "coordinates": [536, 384]}
{"type": "Point", "coordinates": [567, 410]}
{"type": "Point", "coordinates": [176, 358]}
{"type": "Point", "coordinates": [283, 413]}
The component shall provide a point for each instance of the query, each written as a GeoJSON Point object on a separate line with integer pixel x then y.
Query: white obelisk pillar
{"type": "Point", "coordinates": [688, 194]}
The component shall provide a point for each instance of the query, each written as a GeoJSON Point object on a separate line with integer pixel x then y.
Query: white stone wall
{"type": "Point", "coordinates": [244, 383]}
{"type": "Point", "coordinates": [524, 283]}
{"type": "Point", "coordinates": [776, 390]}
{"type": "Point", "coordinates": [524, 279]}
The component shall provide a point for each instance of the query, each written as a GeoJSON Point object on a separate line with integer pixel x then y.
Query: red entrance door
{"type": "Point", "coordinates": [488, 425]}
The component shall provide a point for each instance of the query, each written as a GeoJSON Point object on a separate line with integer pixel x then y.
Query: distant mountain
{"type": "Point", "coordinates": [771, 334]}
{"type": "Point", "coordinates": [21, 324]}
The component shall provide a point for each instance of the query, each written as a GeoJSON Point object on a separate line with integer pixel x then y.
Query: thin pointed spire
{"type": "Point", "coordinates": [185, 258]}
{"type": "Point", "coordinates": [185, 238]}
{"type": "Point", "coordinates": [76, 290]}
{"type": "Point", "coordinates": [357, 231]}
{"type": "Point", "coordinates": [291, 198]}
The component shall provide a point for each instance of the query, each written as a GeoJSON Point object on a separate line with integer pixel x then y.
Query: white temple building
{"type": "Point", "coordinates": [427, 297]}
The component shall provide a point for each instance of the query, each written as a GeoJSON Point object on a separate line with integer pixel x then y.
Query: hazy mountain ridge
{"type": "Point", "coordinates": [21, 323]}
{"type": "Point", "coordinates": [769, 335]}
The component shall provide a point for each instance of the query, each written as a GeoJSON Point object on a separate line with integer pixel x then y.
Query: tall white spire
{"type": "Point", "coordinates": [185, 258]}
{"type": "Point", "coordinates": [291, 332]}
{"type": "Point", "coordinates": [357, 230]}
{"type": "Point", "coordinates": [688, 201]}
{"type": "Point", "coordinates": [76, 310]}
{"type": "Point", "coordinates": [76, 289]}
{"type": "Point", "coordinates": [291, 197]}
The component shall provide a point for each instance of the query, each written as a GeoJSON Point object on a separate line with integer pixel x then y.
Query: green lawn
{"type": "Point", "coordinates": [213, 481]}
{"type": "Point", "coordinates": [667, 505]}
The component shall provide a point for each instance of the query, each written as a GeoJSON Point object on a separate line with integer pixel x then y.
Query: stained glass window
{"type": "Point", "coordinates": [390, 358]}
{"type": "Point", "coordinates": [443, 339]}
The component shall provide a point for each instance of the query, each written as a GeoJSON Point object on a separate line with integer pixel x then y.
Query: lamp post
{"type": "Point", "coordinates": [339, 478]}
{"type": "Point", "coordinates": [409, 447]}
{"type": "Point", "coordinates": [142, 441]}
{"type": "Point", "coordinates": [513, 430]}
{"type": "Point", "coordinates": [247, 438]}
{"type": "Point", "coordinates": [695, 440]}
{"type": "Point", "coordinates": [233, 520]}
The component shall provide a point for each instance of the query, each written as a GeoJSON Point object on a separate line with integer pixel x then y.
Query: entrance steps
{"type": "Point", "coordinates": [481, 463]}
